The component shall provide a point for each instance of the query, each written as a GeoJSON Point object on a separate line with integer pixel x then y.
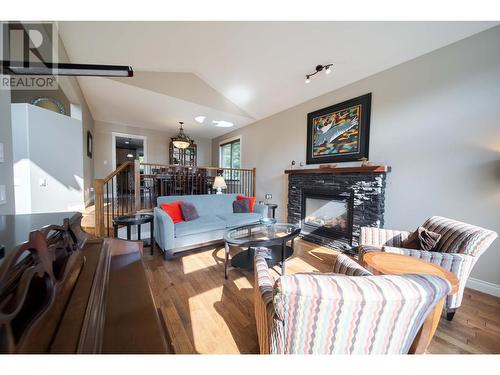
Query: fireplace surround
{"type": "Point", "coordinates": [361, 190]}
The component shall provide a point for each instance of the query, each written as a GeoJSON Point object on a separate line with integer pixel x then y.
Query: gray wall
{"type": "Point", "coordinates": [435, 120]}
{"type": "Point", "coordinates": [6, 170]}
{"type": "Point", "coordinates": [74, 94]}
{"type": "Point", "coordinates": [156, 146]}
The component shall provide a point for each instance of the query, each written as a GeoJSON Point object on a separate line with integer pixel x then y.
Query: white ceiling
{"type": "Point", "coordinates": [237, 71]}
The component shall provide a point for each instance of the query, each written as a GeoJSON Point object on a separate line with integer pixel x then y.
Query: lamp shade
{"type": "Point", "coordinates": [219, 183]}
{"type": "Point", "coordinates": [181, 144]}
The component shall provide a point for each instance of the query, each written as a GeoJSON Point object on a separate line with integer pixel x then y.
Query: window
{"type": "Point", "coordinates": [230, 155]}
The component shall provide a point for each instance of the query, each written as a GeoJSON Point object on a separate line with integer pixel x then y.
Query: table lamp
{"type": "Point", "coordinates": [219, 184]}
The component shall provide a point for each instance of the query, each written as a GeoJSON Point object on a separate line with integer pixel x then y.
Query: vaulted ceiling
{"type": "Point", "coordinates": [237, 72]}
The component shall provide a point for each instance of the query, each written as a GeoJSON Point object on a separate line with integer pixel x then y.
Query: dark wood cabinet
{"type": "Point", "coordinates": [183, 156]}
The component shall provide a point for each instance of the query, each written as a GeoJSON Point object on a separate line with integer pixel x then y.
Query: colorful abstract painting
{"type": "Point", "coordinates": [339, 132]}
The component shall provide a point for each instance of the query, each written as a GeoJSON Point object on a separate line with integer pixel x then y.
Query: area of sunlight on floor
{"type": "Point", "coordinates": [205, 323]}
{"type": "Point", "coordinates": [192, 263]}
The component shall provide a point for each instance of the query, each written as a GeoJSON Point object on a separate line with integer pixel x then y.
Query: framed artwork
{"type": "Point", "coordinates": [340, 132]}
{"type": "Point", "coordinates": [89, 144]}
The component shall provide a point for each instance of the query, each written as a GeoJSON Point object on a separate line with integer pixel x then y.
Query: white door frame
{"type": "Point", "coordinates": [134, 136]}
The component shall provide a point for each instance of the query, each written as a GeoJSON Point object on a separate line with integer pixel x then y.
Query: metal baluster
{"type": "Point", "coordinates": [129, 191]}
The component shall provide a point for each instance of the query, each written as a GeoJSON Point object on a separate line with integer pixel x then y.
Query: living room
{"type": "Point", "coordinates": [249, 186]}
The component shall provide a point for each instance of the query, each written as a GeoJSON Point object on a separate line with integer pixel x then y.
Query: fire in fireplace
{"type": "Point", "coordinates": [327, 213]}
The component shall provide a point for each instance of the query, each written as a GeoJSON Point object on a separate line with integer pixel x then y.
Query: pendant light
{"type": "Point", "coordinates": [182, 140]}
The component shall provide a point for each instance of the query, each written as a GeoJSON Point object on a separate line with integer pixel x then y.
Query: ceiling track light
{"type": "Point", "coordinates": [319, 68]}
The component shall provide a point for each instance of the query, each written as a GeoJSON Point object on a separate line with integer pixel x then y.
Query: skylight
{"type": "Point", "coordinates": [222, 123]}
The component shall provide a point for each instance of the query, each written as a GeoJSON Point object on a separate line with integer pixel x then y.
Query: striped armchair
{"type": "Point", "coordinates": [352, 312]}
{"type": "Point", "coordinates": [458, 250]}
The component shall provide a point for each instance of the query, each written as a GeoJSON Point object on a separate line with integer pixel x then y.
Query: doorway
{"type": "Point", "coordinates": [128, 147]}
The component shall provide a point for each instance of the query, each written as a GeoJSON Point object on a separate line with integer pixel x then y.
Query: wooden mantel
{"type": "Point", "coordinates": [365, 169]}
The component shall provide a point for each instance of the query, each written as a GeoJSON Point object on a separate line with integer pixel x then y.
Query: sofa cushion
{"type": "Point", "coordinates": [203, 224]}
{"type": "Point", "coordinates": [241, 206]}
{"type": "Point", "coordinates": [189, 211]}
{"type": "Point", "coordinates": [421, 239]}
{"type": "Point", "coordinates": [207, 204]}
{"type": "Point", "coordinates": [251, 200]}
{"type": "Point", "coordinates": [232, 220]}
{"type": "Point", "coordinates": [173, 210]}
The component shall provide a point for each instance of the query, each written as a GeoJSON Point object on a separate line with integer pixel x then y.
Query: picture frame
{"type": "Point", "coordinates": [90, 144]}
{"type": "Point", "coordinates": [340, 132]}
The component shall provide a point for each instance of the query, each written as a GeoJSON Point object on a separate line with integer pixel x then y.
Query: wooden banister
{"type": "Point", "coordinates": [189, 167]}
{"type": "Point", "coordinates": [122, 167]}
{"type": "Point", "coordinates": [99, 207]}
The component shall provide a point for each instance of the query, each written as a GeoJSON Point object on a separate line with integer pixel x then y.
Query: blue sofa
{"type": "Point", "coordinates": [216, 215]}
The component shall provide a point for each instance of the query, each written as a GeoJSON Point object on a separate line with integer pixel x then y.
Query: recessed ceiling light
{"type": "Point", "coordinates": [199, 119]}
{"type": "Point", "coordinates": [130, 156]}
{"type": "Point", "coordinates": [222, 123]}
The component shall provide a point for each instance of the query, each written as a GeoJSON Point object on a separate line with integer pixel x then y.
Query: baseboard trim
{"type": "Point", "coordinates": [483, 286]}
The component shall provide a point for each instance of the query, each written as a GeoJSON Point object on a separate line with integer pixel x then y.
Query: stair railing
{"type": "Point", "coordinates": [135, 186]}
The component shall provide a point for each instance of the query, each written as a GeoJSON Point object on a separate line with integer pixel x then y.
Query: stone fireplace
{"type": "Point", "coordinates": [331, 205]}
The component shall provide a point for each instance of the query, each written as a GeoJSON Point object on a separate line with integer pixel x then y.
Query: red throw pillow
{"type": "Point", "coordinates": [251, 200]}
{"type": "Point", "coordinates": [173, 210]}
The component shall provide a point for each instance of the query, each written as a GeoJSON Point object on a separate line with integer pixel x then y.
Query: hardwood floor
{"type": "Point", "coordinates": [205, 313]}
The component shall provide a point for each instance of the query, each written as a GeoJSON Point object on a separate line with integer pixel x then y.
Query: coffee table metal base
{"type": "Point", "coordinates": [244, 259]}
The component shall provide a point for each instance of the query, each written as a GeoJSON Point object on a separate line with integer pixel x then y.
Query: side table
{"type": "Point", "coordinates": [382, 263]}
{"type": "Point", "coordinates": [273, 207]}
{"type": "Point", "coordinates": [137, 219]}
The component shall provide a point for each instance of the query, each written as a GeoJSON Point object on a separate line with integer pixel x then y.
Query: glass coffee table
{"type": "Point", "coordinates": [273, 236]}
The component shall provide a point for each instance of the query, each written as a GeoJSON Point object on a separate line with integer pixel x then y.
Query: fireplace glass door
{"type": "Point", "coordinates": [331, 215]}
{"type": "Point", "coordinates": [327, 214]}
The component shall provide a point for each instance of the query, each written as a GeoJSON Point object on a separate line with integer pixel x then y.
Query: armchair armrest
{"type": "Point", "coordinates": [264, 307]}
{"type": "Point", "coordinates": [164, 229]}
{"type": "Point", "coordinates": [260, 209]}
{"type": "Point", "coordinates": [346, 266]}
{"type": "Point", "coordinates": [380, 237]}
